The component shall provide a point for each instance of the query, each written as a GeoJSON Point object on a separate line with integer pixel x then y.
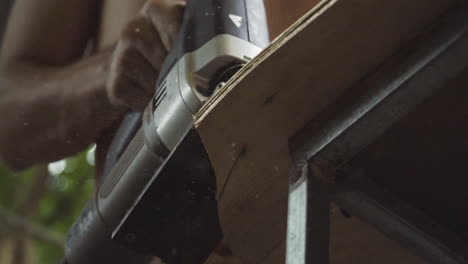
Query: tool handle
{"type": "Point", "coordinates": [132, 162]}
{"type": "Point", "coordinates": [203, 20]}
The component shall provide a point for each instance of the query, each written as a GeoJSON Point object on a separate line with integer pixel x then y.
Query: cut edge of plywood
{"type": "Point", "coordinates": [277, 43]}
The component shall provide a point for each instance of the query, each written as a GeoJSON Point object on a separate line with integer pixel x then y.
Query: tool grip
{"type": "Point", "coordinates": [131, 178]}
{"type": "Point", "coordinates": [203, 20]}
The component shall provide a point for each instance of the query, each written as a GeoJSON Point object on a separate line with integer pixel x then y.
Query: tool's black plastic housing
{"type": "Point", "coordinates": [175, 216]}
{"type": "Point", "coordinates": [206, 19]}
{"type": "Point", "coordinates": [203, 20]}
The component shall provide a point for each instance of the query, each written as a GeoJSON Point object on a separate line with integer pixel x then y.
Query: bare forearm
{"type": "Point", "coordinates": [49, 113]}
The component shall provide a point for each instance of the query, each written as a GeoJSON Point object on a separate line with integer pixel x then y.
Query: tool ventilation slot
{"type": "Point", "coordinates": [160, 95]}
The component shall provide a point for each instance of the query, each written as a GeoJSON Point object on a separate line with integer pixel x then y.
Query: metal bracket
{"type": "Point", "coordinates": [323, 147]}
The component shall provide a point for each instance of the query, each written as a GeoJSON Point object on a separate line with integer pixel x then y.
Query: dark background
{"type": "Point", "coordinates": [5, 6]}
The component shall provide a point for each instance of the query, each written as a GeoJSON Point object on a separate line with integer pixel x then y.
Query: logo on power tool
{"type": "Point", "coordinates": [237, 20]}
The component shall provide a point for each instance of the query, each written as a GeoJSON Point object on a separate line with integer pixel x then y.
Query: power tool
{"type": "Point", "coordinates": [158, 197]}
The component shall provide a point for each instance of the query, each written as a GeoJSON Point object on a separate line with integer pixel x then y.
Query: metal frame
{"type": "Point", "coordinates": [327, 143]}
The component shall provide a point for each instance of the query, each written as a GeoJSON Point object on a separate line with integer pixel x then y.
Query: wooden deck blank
{"type": "Point", "coordinates": [246, 127]}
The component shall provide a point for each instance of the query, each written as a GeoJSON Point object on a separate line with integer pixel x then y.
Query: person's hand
{"type": "Point", "coordinates": [140, 53]}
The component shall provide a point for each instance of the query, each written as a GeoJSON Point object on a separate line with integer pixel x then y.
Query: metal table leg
{"type": "Point", "coordinates": [308, 219]}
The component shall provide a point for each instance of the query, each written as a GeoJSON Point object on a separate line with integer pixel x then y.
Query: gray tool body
{"type": "Point", "coordinates": [158, 196]}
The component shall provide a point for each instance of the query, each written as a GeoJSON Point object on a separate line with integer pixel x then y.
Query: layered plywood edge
{"type": "Point", "coordinates": [246, 126]}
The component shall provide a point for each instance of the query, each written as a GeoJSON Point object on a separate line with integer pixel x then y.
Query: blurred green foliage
{"type": "Point", "coordinates": [60, 202]}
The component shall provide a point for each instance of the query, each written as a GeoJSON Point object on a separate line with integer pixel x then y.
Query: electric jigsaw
{"type": "Point", "coordinates": [158, 197]}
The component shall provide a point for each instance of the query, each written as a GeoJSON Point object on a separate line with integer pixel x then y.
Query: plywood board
{"type": "Point", "coordinates": [282, 14]}
{"type": "Point", "coordinates": [246, 126]}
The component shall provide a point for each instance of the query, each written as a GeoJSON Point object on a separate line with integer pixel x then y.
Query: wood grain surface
{"type": "Point", "coordinates": [246, 126]}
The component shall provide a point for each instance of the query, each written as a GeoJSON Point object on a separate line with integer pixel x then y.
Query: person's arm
{"type": "Point", "coordinates": [52, 103]}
